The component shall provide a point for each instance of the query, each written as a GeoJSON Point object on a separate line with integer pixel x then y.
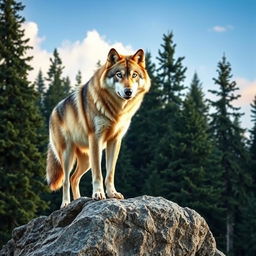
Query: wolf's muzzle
{"type": "Point", "coordinates": [128, 92]}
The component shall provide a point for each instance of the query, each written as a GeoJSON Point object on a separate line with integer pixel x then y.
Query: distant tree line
{"type": "Point", "coordinates": [175, 147]}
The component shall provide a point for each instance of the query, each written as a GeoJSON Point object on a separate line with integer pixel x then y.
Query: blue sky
{"type": "Point", "coordinates": [203, 32]}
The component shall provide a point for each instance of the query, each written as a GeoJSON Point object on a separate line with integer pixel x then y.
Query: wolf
{"type": "Point", "coordinates": [95, 118]}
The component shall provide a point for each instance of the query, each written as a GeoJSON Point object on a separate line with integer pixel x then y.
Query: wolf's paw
{"type": "Point", "coordinates": [115, 194]}
{"type": "Point", "coordinates": [64, 204]}
{"type": "Point", "coordinates": [98, 195]}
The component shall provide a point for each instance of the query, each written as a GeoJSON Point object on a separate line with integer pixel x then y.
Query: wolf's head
{"type": "Point", "coordinates": [126, 75]}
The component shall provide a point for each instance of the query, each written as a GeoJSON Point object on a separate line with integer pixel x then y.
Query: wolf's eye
{"type": "Point", "coordinates": [134, 75]}
{"type": "Point", "coordinates": [119, 74]}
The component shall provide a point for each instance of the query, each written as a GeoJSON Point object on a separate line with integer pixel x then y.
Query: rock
{"type": "Point", "coordinates": [138, 226]}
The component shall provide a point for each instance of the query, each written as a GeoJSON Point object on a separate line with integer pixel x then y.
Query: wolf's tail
{"type": "Point", "coordinates": [54, 171]}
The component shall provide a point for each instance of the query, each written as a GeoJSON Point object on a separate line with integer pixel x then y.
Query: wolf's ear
{"type": "Point", "coordinates": [139, 57]}
{"type": "Point", "coordinates": [113, 57]}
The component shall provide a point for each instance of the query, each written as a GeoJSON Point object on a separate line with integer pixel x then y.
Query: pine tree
{"type": "Point", "coordinates": [171, 75]}
{"type": "Point", "coordinates": [226, 130]}
{"type": "Point", "coordinates": [171, 72]}
{"type": "Point", "coordinates": [253, 139]}
{"type": "Point", "coordinates": [196, 95]}
{"type": "Point", "coordinates": [78, 79]}
{"type": "Point", "coordinates": [21, 165]}
{"type": "Point", "coordinates": [247, 221]}
{"type": "Point", "coordinates": [190, 179]}
{"type": "Point", "coordinates": [66, 86]}
{"type": "Point", "coordinates": [246, 244]}
{"type": "Point", "coordinates": [195, 154]}
{"type": "Point", "coordinates": [58, 88]}
{"type": "Point", "coordinates": [40, 88]}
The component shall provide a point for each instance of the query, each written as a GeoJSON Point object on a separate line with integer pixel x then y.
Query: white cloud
{"type": "Point", "coordinates": [83, 55]}
{"type": "Point", "coordinates": [247, 90]}
{"type": "Point", "coordinates": [220, 29]}
{"type": "Point", "coordinates": [41, 58]}
{"type": "Point", "coordinates": [79, 55]}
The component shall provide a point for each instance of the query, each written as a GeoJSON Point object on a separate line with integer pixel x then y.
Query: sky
{"type": "Point", "coordinates": [204, 30]}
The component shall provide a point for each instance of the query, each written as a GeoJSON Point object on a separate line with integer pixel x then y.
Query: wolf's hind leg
{"type": "Point", "coordinates": [83, 165]}
{"type": "Point", "coordinates": [68, 160]}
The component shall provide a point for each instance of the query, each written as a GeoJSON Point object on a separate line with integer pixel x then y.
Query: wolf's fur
{"type": "Point", "coordinates": [92, 119]}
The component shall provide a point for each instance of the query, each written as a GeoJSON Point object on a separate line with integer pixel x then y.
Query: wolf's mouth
{"type": "Point", "coordinates": [125, 97]}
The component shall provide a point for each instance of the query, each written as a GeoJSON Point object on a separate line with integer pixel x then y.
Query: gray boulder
{"type": "Point", "coordinates": [138, 226]}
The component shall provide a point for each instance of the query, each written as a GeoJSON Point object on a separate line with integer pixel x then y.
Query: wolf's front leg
{"type": "Point", "coordinates": [95, 154]}
{"type": "Point", "coordinates": [112, 152]}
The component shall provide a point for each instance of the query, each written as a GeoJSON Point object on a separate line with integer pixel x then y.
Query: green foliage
{"type": "Point", "coordinates": [40, 88]}
{"type": "Point", "coordinates": [231, 144]}
{"type": "Point", "coordinates": [171, 72]}
{"type": "Point", "coordinates": [21, 164]}
{"type": "Point", "coordinates": [59, 87]}
{"type": "Point", "coordinates": [246, 227]}
{"type": "Point", "coordinates": [170, 75]}
{"type": "Point", "coordinates": [78, 79]}
{"type": "Point", "coordinates": [196, 152]}
{"type": "Point", "coordinates": [253, 139]}
{"type": "Point", "coordinates": [39, 85]}
{"type": "Point", "coordinates": [247, 210]}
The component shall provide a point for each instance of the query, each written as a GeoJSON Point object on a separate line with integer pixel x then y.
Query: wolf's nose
{"type": "Point", "coordinates": [128, 92]}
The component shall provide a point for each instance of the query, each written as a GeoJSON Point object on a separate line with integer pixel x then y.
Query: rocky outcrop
{"type": "Point", "coordinates": [138, 226]}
